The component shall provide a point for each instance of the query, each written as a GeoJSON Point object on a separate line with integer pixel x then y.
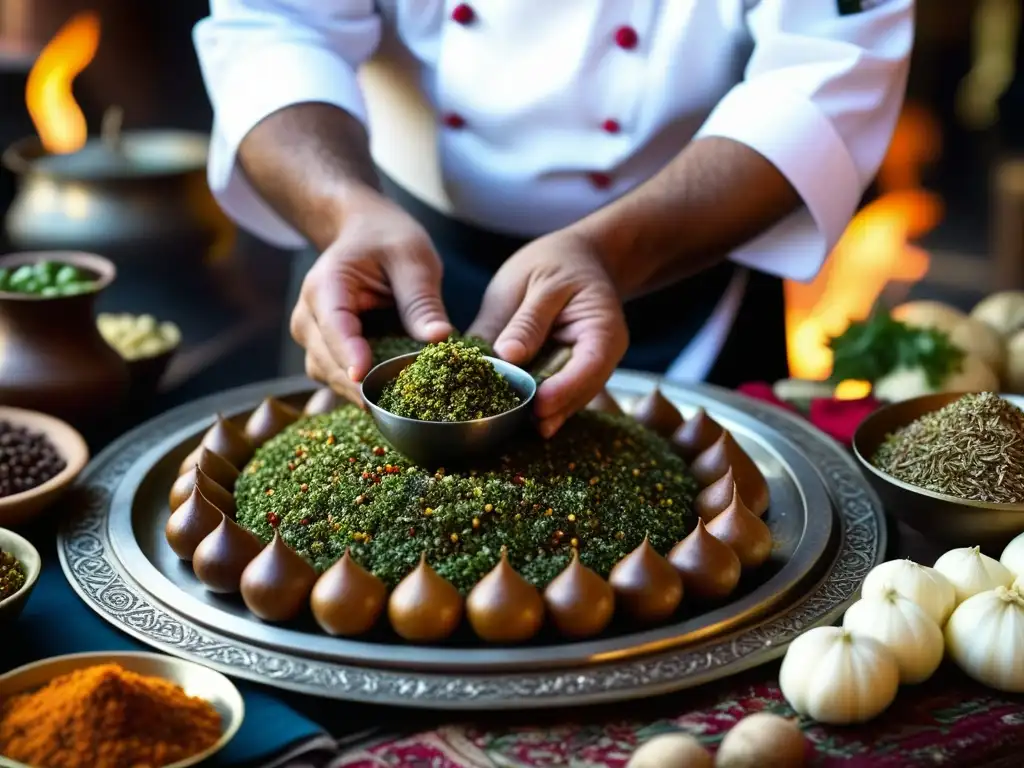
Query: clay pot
{"type": "Point", "coordinates": [52, 357]}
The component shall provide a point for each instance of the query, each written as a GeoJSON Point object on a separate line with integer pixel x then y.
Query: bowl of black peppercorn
{"type": "Point", "coordinates": [40, 456]}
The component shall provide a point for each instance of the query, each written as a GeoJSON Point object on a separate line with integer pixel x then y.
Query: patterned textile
{"type": "Point", "coordinates": [948, 721]}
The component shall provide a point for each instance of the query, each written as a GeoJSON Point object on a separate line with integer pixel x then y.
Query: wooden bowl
{"type": "Point", "coordinates": [938, 516]}
{"type": "Point", "coordinates": [194, 679]}
{"type": "Point", "coordinates": [28, 556]}
{"type": "Point", "coordinates": [19, 508]}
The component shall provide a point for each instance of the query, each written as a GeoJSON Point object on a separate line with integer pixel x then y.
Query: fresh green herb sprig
{"type": "Point", "coordinates": [870, 349]}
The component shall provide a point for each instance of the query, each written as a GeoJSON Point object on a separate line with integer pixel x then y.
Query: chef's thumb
{"type": "Point", "coordinates": [417, 293]}
{"type": "Point", "coordinates": [528, 328]}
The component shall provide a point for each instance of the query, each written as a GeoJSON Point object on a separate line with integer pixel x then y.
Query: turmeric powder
{"type": "Point", "coordinates": [106, 717]}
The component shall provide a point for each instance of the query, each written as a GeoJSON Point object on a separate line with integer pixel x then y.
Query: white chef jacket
{"type": "Point", "coordinates": [541, 111]}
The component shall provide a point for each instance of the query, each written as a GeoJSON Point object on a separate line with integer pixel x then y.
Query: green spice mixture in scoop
{"type": "Point", "coordinates": [972, 448]}
{"type": "Point", "coordinates": [449, 381]}
{"type": "Point", "coordinates": [601, 484]}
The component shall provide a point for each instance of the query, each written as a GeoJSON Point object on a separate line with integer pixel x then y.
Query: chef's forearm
{"type": "Point", "coordinates": [714, 196]}
{"type": "Point", "coordinates": [311, 162]}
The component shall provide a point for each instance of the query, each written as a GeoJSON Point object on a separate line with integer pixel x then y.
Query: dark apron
{"type": "Point", "coordinates": [661, 324]}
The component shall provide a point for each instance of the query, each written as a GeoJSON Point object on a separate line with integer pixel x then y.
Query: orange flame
{"type": "Point", "coordinates": [55, 113]}
{"type": "Point", "coordinates": [873, 251]}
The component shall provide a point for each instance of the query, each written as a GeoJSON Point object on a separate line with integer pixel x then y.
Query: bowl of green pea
{"type": "Point", "coordinates": [47, 279]}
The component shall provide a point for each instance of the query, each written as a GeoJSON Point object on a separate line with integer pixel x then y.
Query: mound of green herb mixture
{"type": "Point", "coordinates": [972, 448]}
{"type": "Point", "coordinates": [449, 381]}
{"type": "Point", "coordinates": [331, 482]}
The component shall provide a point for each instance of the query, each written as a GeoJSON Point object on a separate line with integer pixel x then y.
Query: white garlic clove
{"type": "Point", "coordinates": [925, 586]}
{"type": "Point", "coordinates": [838, 677]}
{"type": "Point", "coordinates": [904, 628]}
{"type": "Point", "coordinates": [985, 638]}
{"type": "Point", "coordinates": [970, 572]}
{"type": "Point", "coordinates": [1013, 556]}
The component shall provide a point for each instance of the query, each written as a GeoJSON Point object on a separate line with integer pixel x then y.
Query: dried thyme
{"type": "Point", "coordinates": [12, 575]}
{"type": "Point", "coordinates": [331, 482]}
{"type": "Point", "coordinates": [449, 381]}
{"type": "Point", "coordinates": [972, 448]}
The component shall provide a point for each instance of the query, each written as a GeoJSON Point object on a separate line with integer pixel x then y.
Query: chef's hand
{"type": "Point", "coordinates": [381, 257]}
{"type": "Point", "coordinates": [556, 287]}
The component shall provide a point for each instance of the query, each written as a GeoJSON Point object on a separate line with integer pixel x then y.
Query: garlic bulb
{"type": "Point", "coordinates": [971, 572]}
{"type": "Point", "coordinates": [905, 629]}
{"type": "Point", "coordinates": [985, 637]}
{"type": "Point", "coordinates": [1013, 556]}
{"type": "Point", "coordinates": [835, 676]}
{"type": "Point", "coordinates": [917, 583]}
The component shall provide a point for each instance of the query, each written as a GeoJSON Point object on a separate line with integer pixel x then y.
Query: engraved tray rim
{"type": "Point", "coordinates": [94, 572]}
{"type": "Point", "coordinates": [812, 551]}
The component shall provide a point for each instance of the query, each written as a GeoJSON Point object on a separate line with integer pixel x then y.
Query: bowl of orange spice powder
{"type": "Point", "coordinates": [111, 710]}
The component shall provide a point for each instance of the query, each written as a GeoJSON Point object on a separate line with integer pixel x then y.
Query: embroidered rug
{"type": "Point", "coordinates": [948, 721]}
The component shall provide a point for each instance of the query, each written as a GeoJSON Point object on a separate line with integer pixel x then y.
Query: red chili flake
{"type": "Point", "coordinates": [273, 519]}
{"type": "Point", "coordinates": [330, 440]}
{"type": "Point", "coordinates": [366, 475]}
{"type": "Point", "coordinates": [304, 487]}
{"type": "Point", "coordinates": [269, 491]}
{"type": "Point", "coordinates": [351, 459]}
{"type": "Point", "coordinates": [291, 465]}
{"type": "Point", "coordinates": [298, 452]}
{"type": "Point", "coordinates": [304, 521]}
{"type": "Point", "coordinates": [412, 532]}
{"type": "Point", "coordinates": [518, 479]}
{"type": "Point", "coordinates": [378, 451]}
{"type": "Point", "coordinates": [387, 467]}
{"type": "Point", "coordinates": [376, 479]}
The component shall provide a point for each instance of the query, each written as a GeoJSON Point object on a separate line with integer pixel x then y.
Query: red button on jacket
{"type": "Point", "coordinates": [626, 37]}
{"type": "Point", "coordinates": [463, 14]}
{"type": "Point", "coordinates": [600, 180]}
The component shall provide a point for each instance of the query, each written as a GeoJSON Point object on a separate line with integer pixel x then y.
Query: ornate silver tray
{"type": "Point", "coordinates": [827, 524]}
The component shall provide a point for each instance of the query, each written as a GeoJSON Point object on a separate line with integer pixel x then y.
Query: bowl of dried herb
{"type": "Point", "coordinates": [20, 565]}
{"type": "Point", "coordinates": [448, 402]}
{"type": "Point", "coordinates": [949, 465]}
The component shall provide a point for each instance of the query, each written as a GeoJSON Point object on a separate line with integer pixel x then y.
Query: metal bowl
{"type": "Point", "coordinates": [938, 516]}
{"type": "Point", "coordinates": [444, 443]}
{"type": "Point", "coordinates": [195, 679]}
{"type": "Point", "coordinates": [26, 554]}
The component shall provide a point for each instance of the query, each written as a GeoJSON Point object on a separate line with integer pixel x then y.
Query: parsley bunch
{"type": "Point", "coordinates": [871, 349]}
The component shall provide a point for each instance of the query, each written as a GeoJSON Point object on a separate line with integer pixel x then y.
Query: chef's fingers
{"type": "Point", "coordinates": [529, 327]}
{"type": "Point", "coordinates": [594, 356]}
{"type": "Point", "coordinates": [335, 309]}
{"type": "Point", "coordinates": [497, 307]}
{"type": "Point", "coordinates": [416, 285]}
{"type": "Point", "coordinates": [321, 367]}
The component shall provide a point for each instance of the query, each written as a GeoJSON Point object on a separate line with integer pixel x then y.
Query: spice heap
{"type": "Point", "coordinates": [387, 347]}
{"type": "Point", "coordinates": [12, 575]}
{"type": "Point", "coordinates": [46, 278]}
{"type": "Point", "coordinates": [449, 381]}
{"type": "Point", "coordinates": [602, 483]}
{"type": "Point", "coordinates": [106, 717]}
{"type": "Point", "coordinates": [27, 459]}
{"type": "Point", "coordinates": [972, 448]}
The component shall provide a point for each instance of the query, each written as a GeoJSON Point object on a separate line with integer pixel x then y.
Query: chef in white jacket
{"type": "Point", "coordinates": [594, 172]}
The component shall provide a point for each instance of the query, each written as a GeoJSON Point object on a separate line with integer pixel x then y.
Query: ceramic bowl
{"type": "Point", "coordinates": [195, 679]}
{"type": "Point", "coordinates": [22, 549]}
{"type": "Point", "coordinates": [22, 507]}
{"type": "Point", "coordinates": [947, 519]}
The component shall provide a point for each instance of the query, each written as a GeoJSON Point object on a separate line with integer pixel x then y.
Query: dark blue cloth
{"type": "Point", "coordinates": [57, 622]}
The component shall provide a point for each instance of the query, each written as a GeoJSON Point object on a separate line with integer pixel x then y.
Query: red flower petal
{"type": "Point", "coordinates": [840, 418]}
{"type": "Point", "coordinates": [762, 390]}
